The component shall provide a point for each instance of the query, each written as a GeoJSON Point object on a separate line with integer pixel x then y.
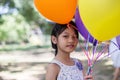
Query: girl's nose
{"type": "Point", "coordinates": [71, 39]}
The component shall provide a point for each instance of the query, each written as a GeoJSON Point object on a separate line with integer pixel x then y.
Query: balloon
{"type": "Point", "coordinates": [81, 28]}
{"type": "Point", "coordinates": [101, 17]}
{"type": "Point", "coordinates": [59, 11]}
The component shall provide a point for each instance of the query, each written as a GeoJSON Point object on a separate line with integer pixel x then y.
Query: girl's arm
{"type": "Point", "coordinates": [52, 72]}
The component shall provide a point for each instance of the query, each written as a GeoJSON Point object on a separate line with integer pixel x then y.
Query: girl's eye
{"type": "Point", "coordinates": [66, 36]}
{"type": "Point", "coordinates": [75, 37]}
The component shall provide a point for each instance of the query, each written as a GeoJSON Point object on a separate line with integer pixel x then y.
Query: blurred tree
{"type": "Point", "coordinates": [27, 9]}
{"type": "Point", "coordinates": [8, 30]}
{"type": "Point", "coordinates": [19, 16]}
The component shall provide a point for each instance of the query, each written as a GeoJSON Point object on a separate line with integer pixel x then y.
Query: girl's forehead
{"type": "Point", "coordinates": [69, 31]}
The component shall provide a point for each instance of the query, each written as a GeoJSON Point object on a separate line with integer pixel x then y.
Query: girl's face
{"type": "Point", "coordinates": [67, 41]}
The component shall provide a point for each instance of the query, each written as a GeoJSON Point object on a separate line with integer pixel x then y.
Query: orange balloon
{"type": "Point", "coordinates": [59, 11]}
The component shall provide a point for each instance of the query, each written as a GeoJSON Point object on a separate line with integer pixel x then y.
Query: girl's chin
{"type": "Point", "coordinates": [69, 51]}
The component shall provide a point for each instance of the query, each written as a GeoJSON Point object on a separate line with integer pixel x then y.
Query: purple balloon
{"type": "Point", "coordinates": [81, 28]}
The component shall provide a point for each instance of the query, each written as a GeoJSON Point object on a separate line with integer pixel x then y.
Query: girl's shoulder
{"type": "Point", "coordinates": [54, 65]}
{"type": "Point", "coordinates": [54, 68]}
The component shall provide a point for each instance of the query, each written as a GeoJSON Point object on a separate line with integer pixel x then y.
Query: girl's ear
{"type": "Point", "coordinates": [54, 39]}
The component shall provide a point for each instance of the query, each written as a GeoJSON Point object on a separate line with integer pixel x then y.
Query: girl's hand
{"type": "Point", "coordinates": [88, 77]}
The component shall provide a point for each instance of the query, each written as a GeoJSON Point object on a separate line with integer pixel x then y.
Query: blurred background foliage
{"type": "Point", "coordinates": [20, 21]}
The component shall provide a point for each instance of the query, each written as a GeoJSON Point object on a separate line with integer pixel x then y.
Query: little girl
{"type": "Point", "coordinates": [64, 39]}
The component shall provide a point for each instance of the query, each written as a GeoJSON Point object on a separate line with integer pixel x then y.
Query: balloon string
{"type": "Point", "coordinates": [89, 70]}
{"type": "Point", "coordinates": [87, 42]}
{"type": "Point", "coordinates": [94, 45]}
{"type": "Point", "coordinates": [88, 49]}
{"type": "Point", "coordinates": [109, 53]}
{"type": "Point", "coordinates": [94, 50]}
{"type": "Point", "coordinates": [85, 53]}
{"type": "Point", "coordinates": [71, 26]}
{"type": "Point", "coordinates": [99, 54]}
{"type": "Point", "coordinates": [68, 25]}
{"type": "Point", "coordinates": [102, 47]}
{"type": "Point", "coordinates": [105, 56]}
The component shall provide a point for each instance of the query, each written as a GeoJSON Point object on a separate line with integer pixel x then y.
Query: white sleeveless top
{"type": "Point", "coordinates": [69, 72]}
{"type": "Point", "coordinates": [114, 52]}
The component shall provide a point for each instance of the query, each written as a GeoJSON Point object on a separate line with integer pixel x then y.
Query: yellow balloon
{"type": "Point", "coordinates": [101, 17]}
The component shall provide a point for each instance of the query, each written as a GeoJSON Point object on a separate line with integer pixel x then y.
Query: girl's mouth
{"type": "Point", "coordinates": [70, 46]}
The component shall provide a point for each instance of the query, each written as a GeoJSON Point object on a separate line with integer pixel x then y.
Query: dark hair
{"type": "Point", "coordinates": [58, 29]}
